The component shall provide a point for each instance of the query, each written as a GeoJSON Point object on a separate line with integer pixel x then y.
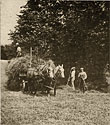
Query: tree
{"type": "Point", "coordinates": [8, 52]}
{"type": "Point", "coordinates": [3, 54]}
{"type": "Point", "coordinates": [39, 24]}
{"type": "Point", "coordinates": [69, 32]}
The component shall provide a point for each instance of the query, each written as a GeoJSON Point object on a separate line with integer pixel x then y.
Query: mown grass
{"type": "Point", "coordinates": [67, 108]}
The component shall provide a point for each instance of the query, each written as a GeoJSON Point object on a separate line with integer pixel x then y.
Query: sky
{"type": "Point", "coordinates": [9, 9]}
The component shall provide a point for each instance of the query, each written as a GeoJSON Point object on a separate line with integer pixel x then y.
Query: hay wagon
{"type": "Point", "coordinates": [33, 81]}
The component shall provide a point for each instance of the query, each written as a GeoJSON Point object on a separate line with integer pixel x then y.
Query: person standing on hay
{"type": "Point", "coordinates": [18, 51]}
{"type": "Point", "coordinates": [71, 78]}
{"type": "Point", "coordinates": [82, 80]}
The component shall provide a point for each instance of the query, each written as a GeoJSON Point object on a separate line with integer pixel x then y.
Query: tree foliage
{"type": "Point", "coordinates": [8, 52]}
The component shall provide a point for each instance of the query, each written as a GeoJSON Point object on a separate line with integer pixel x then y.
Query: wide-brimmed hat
{"type": "Point", "coordinates": [81, 68]}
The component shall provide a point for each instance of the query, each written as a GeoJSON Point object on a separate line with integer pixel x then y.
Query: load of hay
{"type": "Point", "coordinates": [19, 66]}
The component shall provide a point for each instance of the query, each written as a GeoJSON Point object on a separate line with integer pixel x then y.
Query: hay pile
{"type": "Point", "coordinates": [20, 65]}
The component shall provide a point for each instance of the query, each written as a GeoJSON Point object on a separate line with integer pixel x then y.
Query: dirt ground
{"type": "Point", "coordinates": [67, 108]}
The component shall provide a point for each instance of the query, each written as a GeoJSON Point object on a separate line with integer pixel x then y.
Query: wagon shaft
{"type": "Point", "coordinates": [48, 87]}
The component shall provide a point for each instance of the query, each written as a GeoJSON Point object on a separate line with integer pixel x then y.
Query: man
{"type": "Point", "coordinates": [72, 77]}
{"type": "Point", "coordinates": [18, 50]}
{"type": "Point", "coordinates": [83, 76]}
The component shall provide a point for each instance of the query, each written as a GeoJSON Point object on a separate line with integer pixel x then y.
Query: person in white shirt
{"type": "Point", "coordinates": [18, 50]}
{"type": "Point", "coordinates": [72, 77]}
{"type": "Point", "coordinates": [83, 76]}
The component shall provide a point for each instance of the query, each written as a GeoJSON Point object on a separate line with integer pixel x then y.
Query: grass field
{"type": "Point", "coordinates": [67, 108]}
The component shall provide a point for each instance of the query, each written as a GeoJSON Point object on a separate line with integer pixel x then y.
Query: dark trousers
{"type": "Point", "coordinates": [82, 85]}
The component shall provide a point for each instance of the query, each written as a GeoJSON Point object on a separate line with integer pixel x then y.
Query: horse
{"type": "Point", "coordinates": [47, 81]}
{"type": "Point", "coordinates": [33, 80]}
{"type": "Point", "coordinates": [51, 82]}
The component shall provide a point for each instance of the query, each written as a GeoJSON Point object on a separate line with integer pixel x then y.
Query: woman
{"type": "Point", "coordinates": [71, 78]}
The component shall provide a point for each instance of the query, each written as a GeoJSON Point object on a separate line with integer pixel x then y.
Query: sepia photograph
{"type": "Point", "coordinates": [55, 62]}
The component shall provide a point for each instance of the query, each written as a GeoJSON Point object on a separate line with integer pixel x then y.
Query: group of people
{"type": "Point", "coordinates": [82, 76]}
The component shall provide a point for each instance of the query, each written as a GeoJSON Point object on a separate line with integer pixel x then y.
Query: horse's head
{"type": "Point", "coordinates": [60, 71]}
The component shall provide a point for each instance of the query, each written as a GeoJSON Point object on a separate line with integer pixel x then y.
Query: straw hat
{"type": "Point", "coordinates": [81, 68]}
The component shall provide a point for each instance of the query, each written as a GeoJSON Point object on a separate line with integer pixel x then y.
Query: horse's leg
{"type": "Point", "coordinates": [30, 86]}
{"type": "Point", "coordinates": [55, 89]}
{"type": "Point", "coordinates": [36, 86]}
{"type": "Point", "coordinates": [26, 87]}
{"type": "Point", "coordinates": [42, 88]}
{"type": "Point", "coordinates": [33, 88]}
